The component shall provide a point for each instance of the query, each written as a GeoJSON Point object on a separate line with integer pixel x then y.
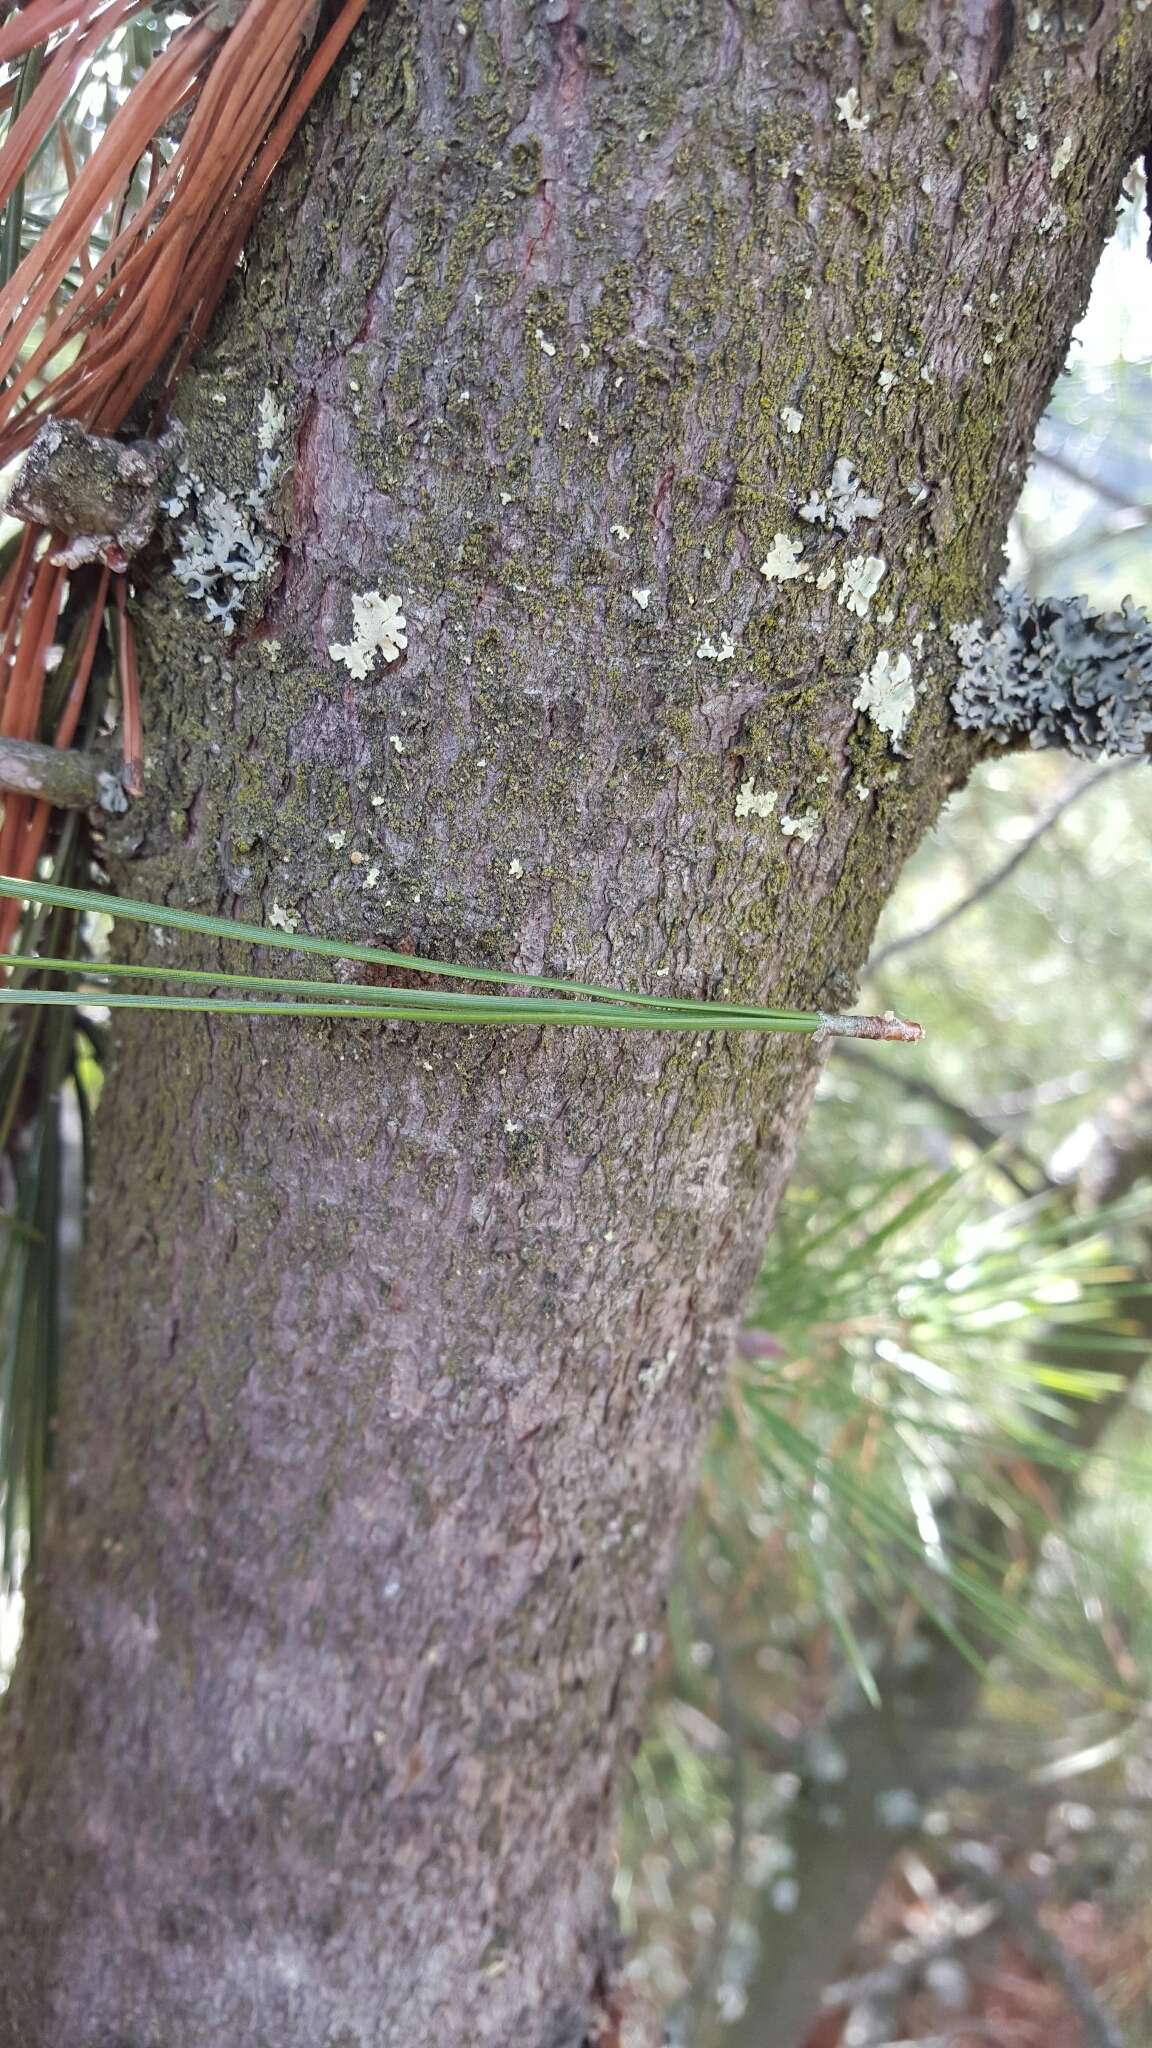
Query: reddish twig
{"type": "Point", "coordinates": [131, 723]}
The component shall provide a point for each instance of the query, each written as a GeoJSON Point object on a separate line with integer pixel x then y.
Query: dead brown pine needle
{"type": "Point", "coordinates": [143, 302]}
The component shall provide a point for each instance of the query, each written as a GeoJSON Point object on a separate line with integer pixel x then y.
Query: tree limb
{"type": "Point", "coordinates": [1018, 1905]}
{"type": "Point", "coordinates": [1065, 467]}
{"type": "Point", "coordinates": [63, 776]}
{"type": "Point", "coordinates": [983, 1135]}
{"type": "Point", "coordinates": [993, 879]}
{"type": "Point", "coordinates": [1053, 673]}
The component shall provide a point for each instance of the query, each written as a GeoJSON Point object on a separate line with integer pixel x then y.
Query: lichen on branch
{"type": "Point", "coordinates": [1059, 675]}
{"type": "Point", "coordinates": [103, 495]}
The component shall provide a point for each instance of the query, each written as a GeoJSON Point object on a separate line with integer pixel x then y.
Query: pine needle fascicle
{"type": "Point", "coordinates": [582, 1002]}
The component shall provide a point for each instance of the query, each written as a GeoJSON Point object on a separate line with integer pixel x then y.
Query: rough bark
{"type": "Point", "coordinates": [397, 1346]}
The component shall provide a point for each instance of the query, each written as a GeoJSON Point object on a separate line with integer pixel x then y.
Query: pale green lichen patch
{"type": "Point", "coordinates": [379, 627]}
{"type": "Point", "coordinates": [723, 649]}
{"type": "Point", "coordinates": [803, 826]}
{"type": "Point", "coordinates": [782, 562]}
{"type": "Point", "coordinates": [887, 693]}
{"type": "Point", "coordinates": [754, 803]}
{"type": "Point", "coordinates": [859, 582]}
{"type": "Point", "coordinates": [270, 424]}
{"type": "Point", "coordinates": [848, 111]}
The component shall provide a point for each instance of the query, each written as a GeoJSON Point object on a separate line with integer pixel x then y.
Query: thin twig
{"type": "Point", "coordinates": [962, 1119]}
{"type": "Point", "coordinates": [1018, 1905]}
{"type": "Point", "coordinates": [131, 722]}
{"type": "Point", "coordinates": [1043, 562]}
{"type": "Point", "coordinates": [1065, 466]}
{"type": "Point", "coordinates": [997, 875]}
{"type": "Point", "coordinates": [1060, 1088]}
{"type": "Point", "coordinates": [61, 775]}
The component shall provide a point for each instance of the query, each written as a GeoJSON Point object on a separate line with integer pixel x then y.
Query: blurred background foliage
{"type": "Point", "coordinates": [910, 1645]}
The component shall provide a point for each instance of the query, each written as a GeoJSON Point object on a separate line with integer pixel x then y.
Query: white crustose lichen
{"type": "Point", "coordinates": [221, 552]}
{"type": "Point", "coordinates": [847, 500]}
{"type": "Point", "coordinates": [225, 546]}
{"type": "Point", "coordinates": [842, 502]}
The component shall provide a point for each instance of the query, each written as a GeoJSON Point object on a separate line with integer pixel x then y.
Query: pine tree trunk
{"type": "Point", "coordinates": [397, 1345]}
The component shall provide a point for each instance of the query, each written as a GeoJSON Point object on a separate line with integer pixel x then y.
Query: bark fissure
{"type": "Point", "coordinates": [398, 1344]}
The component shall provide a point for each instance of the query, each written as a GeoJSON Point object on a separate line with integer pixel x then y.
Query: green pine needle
{"type": "Point", "coordinates": [583, 1003]}
{"type": "Point", "coordinates": [52, 991]}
